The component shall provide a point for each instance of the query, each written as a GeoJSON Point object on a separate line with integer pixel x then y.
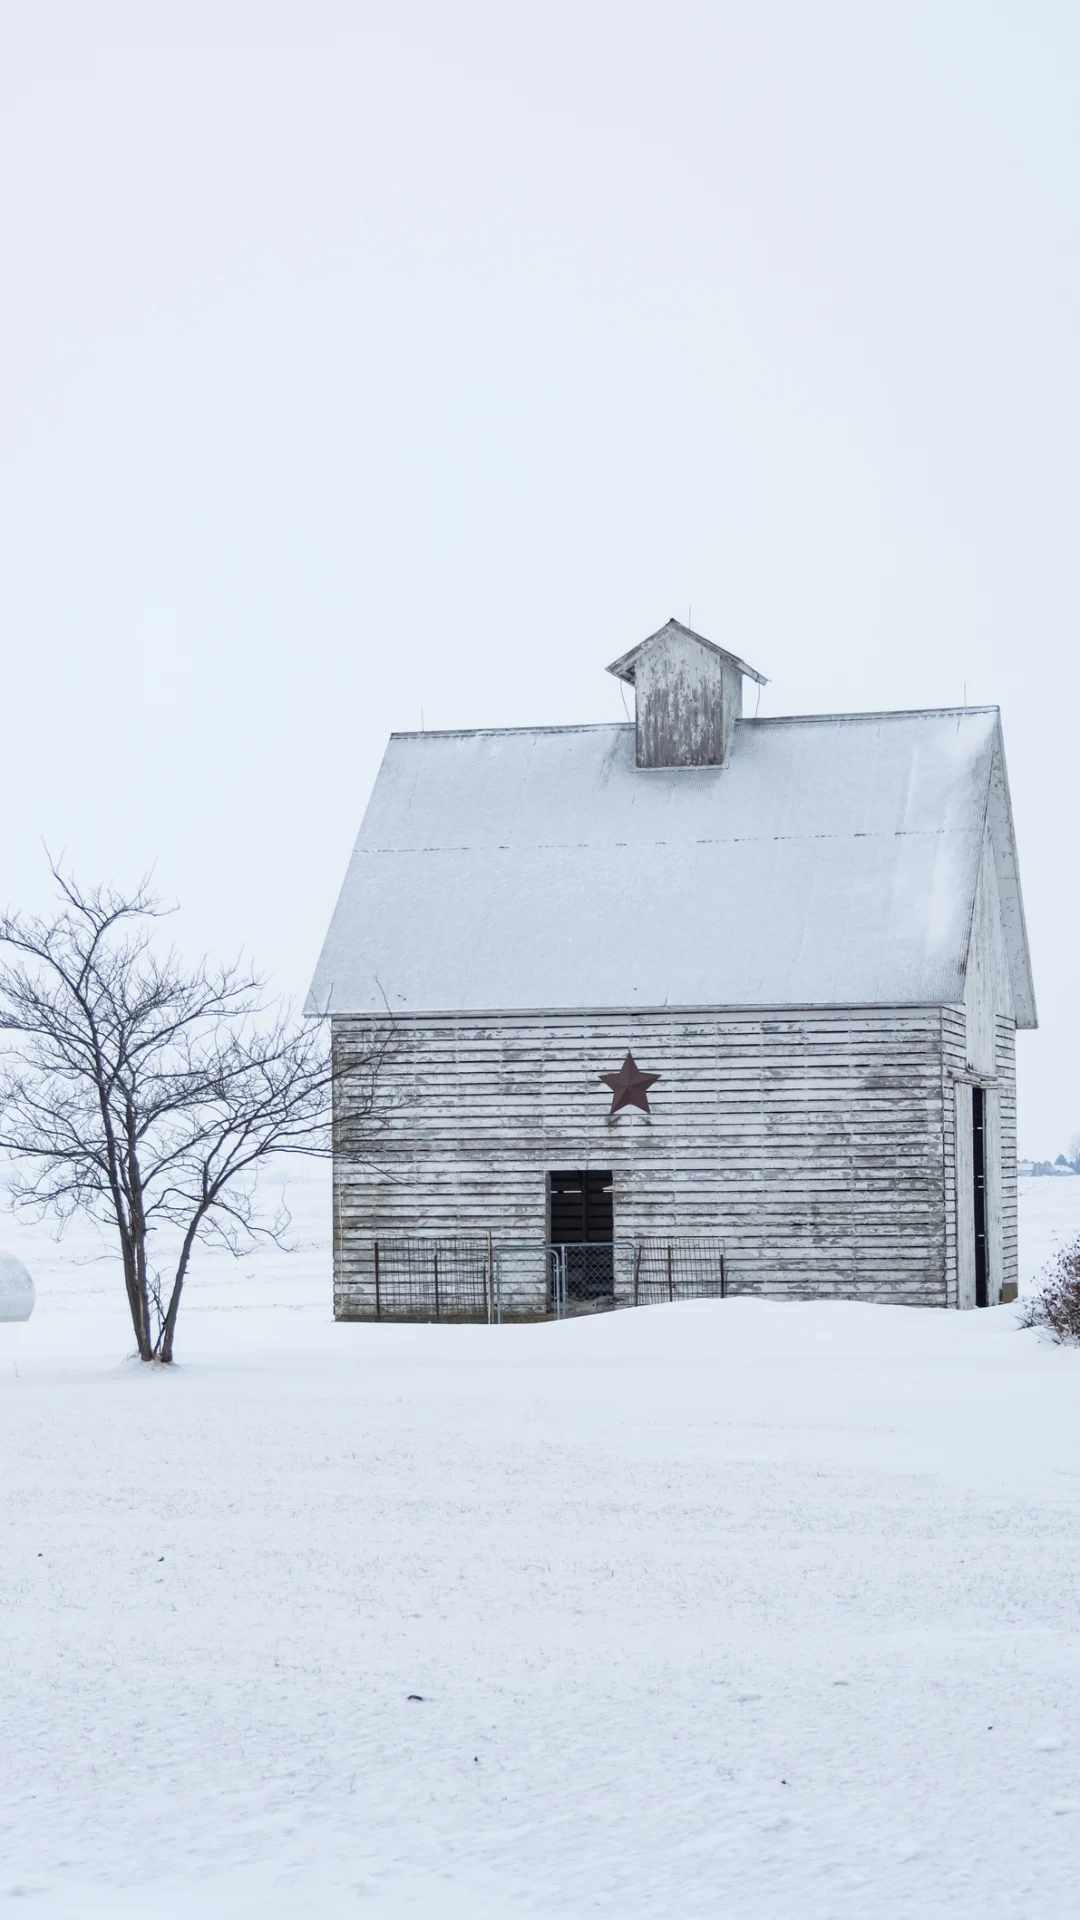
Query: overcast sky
{"type": "Point", "coordinates": [358, 361]}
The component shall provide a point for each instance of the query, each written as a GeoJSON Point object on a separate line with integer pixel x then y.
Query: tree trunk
{"type": "Point", "coordinates": [137, 1302]}
{"type": "Point", "coordinates": [168, 1326]}
{"type": "Point", "coordinates": [137, 1229]}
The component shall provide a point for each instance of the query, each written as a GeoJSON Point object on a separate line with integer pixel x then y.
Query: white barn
{"type": "Point", "coordinates": [805, 933]}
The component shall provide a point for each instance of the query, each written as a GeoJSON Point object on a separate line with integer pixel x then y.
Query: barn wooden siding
{"type": "Point", "coordinates": [687, 700]}
{"type": "Point", "coordinates": [818, 1144]}
{"type": "Point", "coordinates": [1006, 1079]}
{"type": "Point", "coordinates": [998, 1077]}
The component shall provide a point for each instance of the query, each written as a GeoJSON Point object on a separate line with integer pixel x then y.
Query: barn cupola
{"type": "Point", "coordinates": [687, 696]}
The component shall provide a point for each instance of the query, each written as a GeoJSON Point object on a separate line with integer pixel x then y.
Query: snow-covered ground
{"type": "Point", "coordinates": [1049, 1219]}
{"type": "Point", "coordinates": [739, 1610]}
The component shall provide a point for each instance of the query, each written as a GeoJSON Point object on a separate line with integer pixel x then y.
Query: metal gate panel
{"type": "Point", "coordinates": [484, 1279]}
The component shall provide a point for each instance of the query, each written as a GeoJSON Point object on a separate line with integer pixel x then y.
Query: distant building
{"type": "Point", "coordinates": [697, 981]}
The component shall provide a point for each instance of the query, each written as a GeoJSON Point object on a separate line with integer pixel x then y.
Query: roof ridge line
{"type": "Point", "coordinates": [470, 733]}
{"type": "Point", "coordinates": [747, 720]}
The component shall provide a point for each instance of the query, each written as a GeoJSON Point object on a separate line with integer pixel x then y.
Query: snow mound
{"type": "Point", "coordinates": [16, 1289]}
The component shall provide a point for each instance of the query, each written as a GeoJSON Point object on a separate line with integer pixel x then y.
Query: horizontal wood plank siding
{"type": "Point", "coordinates": [953, 1062]}
{"type": "Point", "coordinates": [1006, 1075]}
{"type": "Point", "coordinates": [814, 1144]}
{"type": "Point", "coordinates": [954, 1054]}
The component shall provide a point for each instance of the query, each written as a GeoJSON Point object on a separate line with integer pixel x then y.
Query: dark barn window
{"type": "Point", "coordinates": [582, 1219]}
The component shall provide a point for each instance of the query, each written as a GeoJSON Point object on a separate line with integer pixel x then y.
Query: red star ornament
{"type": "Point", "coordinates": [629, 1087]}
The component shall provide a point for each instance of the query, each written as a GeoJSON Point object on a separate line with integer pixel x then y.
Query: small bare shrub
{"type": "Point", "coordinates": [1057, 1304]}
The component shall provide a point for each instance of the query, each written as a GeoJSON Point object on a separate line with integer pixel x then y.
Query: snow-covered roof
{"type": "Point", "coordinates": [832, 861]}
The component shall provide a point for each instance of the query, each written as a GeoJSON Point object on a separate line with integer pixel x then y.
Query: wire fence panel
{"type": "Point", "coordinates": [590, 1278]}
{"type": "Point", "coordinates": [586, 1274]}
{"type": "Point", "coordinates": [666, 1270]}
{"type": "Point", "coordinates": [481, 1279]}
{"type": "Point", "coordinates": [538, 1281]}
{"type": "Point", "coordinates": [526, 1281]}
{"type": "Point", "coordinates": [432, 1280]}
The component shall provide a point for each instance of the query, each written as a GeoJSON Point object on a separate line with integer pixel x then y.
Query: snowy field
{"type": "Point", "coordinates": [739, 1610]}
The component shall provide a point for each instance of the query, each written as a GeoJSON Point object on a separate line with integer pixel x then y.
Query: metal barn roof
{"type": "Point", "coordinates": [833, 860]}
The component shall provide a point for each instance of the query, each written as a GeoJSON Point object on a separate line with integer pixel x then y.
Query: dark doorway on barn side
{"type": "Point", "coordinates": [978, 1166]}
{"type": "Point", "coordinates": [581, 1220]}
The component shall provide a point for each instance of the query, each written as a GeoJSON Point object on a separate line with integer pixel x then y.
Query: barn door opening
{"type": "Point", "coordinates": [978, 1196]}
{"type": "Point", "coordinates": [978, 1188]}
{"type": "Point", "coordinates": [582, 1221]}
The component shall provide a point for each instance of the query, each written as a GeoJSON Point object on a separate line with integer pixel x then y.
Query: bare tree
{"type": "Point", "coordinates": [146, 1094]}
